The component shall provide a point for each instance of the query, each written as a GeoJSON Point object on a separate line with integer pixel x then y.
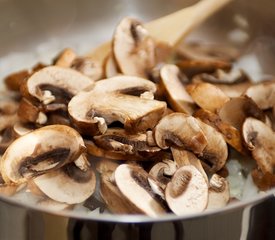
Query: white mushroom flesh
{"type": "Point", "coordinates": [187, 192]}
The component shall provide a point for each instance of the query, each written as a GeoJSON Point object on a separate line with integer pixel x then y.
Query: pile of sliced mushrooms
{"type": "Point", "coordinates": [151, 126]}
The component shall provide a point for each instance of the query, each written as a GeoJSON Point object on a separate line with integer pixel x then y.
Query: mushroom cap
{"type": "Point", "coordinates": [53, 80]}
{"type": "Point", "coordinates": [89, 67]}
{"type": "Point", "coordinates": [118, 140]}
{"type": "Point", "coordinates": [110, 67]}
{"type": "Point", "coordinates": [219, 193]}
{"type": "Point", "coordinates": [260, 140]}
{"type": "Point", "coordinates": [181, 130]}
{"type": "Point", "coordinates": [132, 181]}
{"type": "Point", "coordinates": [177, 96]}
{"type": "Point", "coordinates": [68, 184]}
{"type": "Point", "coordinates": [207, 96]}
{"type": "Point", "coordinates": [242, 107]}
{"type": "Point", "coordinates": [133, 48]}
{"type": "Point", "coordinates": [216, 151]}
{"type": "Point", "coordinates": [187, 192]}
{"type": "Point", "coordinates": [114, 199]}
{"type": "Point", "coordinates": [263, 94]}
{"type": "Point", "coordinates": [231, 135]}
{"type": "Point", "coordinates": [110, 101]}
{"type": "Point", "coordinates": [39, 151]}
{"type": "Point", "coordinates": [185, 158]}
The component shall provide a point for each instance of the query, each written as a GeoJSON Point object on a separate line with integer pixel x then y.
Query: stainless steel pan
{"type": "Point", "coordinates": [49, 26]}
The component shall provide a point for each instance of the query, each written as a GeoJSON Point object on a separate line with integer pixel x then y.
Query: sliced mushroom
{"type": "Point", "coordinates": [105, 165]}
{"type": "Point", "coordinates": [116, 202]}
{"type": "Point", "coordinates": [260, 140]}
{"type": "Point", "coordinates": [263, 94]}
{"type": "Point", "coordinates": [207, 52]}
{"type": "Point", "coordinates": [7, 136]}
{"type": "Point", "coordinates": [215, 153]}
{"type": "Point", "coordinates": [40, 151]}
{"type": "Point", "coordinates": [69, 184]}
{"type": "Point", "coordinates": [264, 181]}
{"type": "Point", "coordinates": [55, 84]}
{"type": "Point", "coordinates": [118, 140]}
{"type": "Point", "coordinates": [242, 107]}
{"type": "Point", "coordinates": [218, 195]}
{"type": "Point", "coordinates": [110, 67]}
{"type": "Point", "coordinates": [132, 181]}
{"type": "Point", "coordinates": [182, 131]}
{"type": "Point", "coordinates": [231, 135]}
{"type": "Point", "coordinates": [187, 192]}
{"type": "Point", "coordinates": [15, 80]}
{"type": "Point", "coordinates": [8, 116]}
{"type": "Point", "coordinates": [194, 67]}
{"type": "Point", "coordinates": [112, 100]}
{"type": "Point", "coordinates": [7, 189]}
{"type": "Point", "coordinates": [178, 98]}
{"type": "Point", "coordinates": [185, 158]}
{"type": "Point", "coordinates": [96, 151]}
{"type": "Point", "coordinates": [21, 129]}
{"type": "Point", "coordinates": [222, 77]}
{"type": "Point", "coordinates": [133, 48]}
{"type": "Point", "coordinates": [65, 58]}
{"type": "Point", "coordinates": [207, 96]}
{"type": "Point", "coordinates": [234, 90]}
{"type": "Point", "coordinates": [88, 67]}
{"type": "Point", "coordinates": [163, 171]}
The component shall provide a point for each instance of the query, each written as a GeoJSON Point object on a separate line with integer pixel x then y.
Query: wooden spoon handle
{"type": "Point", "coordinates": [171, 28]}
{"type": "Point", "coordinates": [174, 27]}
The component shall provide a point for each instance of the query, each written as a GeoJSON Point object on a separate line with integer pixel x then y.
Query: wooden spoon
{"type": "Point", "coordinates": [173, 27]}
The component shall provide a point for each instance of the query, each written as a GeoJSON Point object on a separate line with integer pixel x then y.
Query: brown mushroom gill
{"type": "Point", "coordinates": [39, 151]}
{"type": "Point", "coordinates": [33, 165]}
{"type": "Point", "coordinates": [68, 184]}
{"type": "Point", "coordinates": [61, 95]}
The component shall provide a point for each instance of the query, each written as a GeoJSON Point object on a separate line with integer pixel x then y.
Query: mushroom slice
{"type": "Point", "coordinates": [40, 151]}
{"type": "Point", "coordinates": [207, 52]}
{"type": "Point", "coordinates": [105, 165]}
{"type": "Point", "coordinates": [215, 153]}
{"type": "Point", "coordinates": [207, 96]}
{"type": "Point", "coordinates": [242, 107]}
{"type": "Point", "coordinates": [263, 181]}
{"type": "Point", "coordinates": [263, 94]}
{"type": "Point", "coordinates": [114, 199]}
{"type": "Point", "coordinates": [185, 158]}
{"type": "Point", "coordinates": [231, 135]}
{"type": "Point", "coordinates": [110, 67]}
{"type": "Point", "coordinates": [21, 129]}
{"type": "Point", "coordinates": [65, 58]}
{"type": "Point", "coordinates": [234, 90]}
{"type": "Point", "coordinates": [109, 102]}
{"type": "Point", "coordinates": [260, 140]}
{"type": "Point", "coordinates": [163, 171]}
{"type": "Point", "coordinates": [89, 67]}
{"type": "Point", "coordinates": [132, 181]}
{"type": "Point", "coordinates": [178, 98]}
{"type": "Point", "coordinates": [118, 140]}
{"type": "Point", "coordinates": [187, 192]}
{"type": "Point", "coordinates": [220, 76]}
{"type": "Point", "coordinates": [194, 67]}
{"type": "Point", "coordinates": [7, 189]}
{"type": "Point", "coordinates": [218, 195]}
{"type": "Point", "coordinates": [8, 110]}
{"type": "Point", "coordinates": [182, 131]}
{"type": "Point", "coordinates": [94, 150]}
{"type": "Point", "coordinates": [15, 80]}
{"type": "Point", "coordinates": [68, 184]}
{"type": "Point", "coordinates": [133, 48]}
{"type": "Point", "coordinates": [55, 84]}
